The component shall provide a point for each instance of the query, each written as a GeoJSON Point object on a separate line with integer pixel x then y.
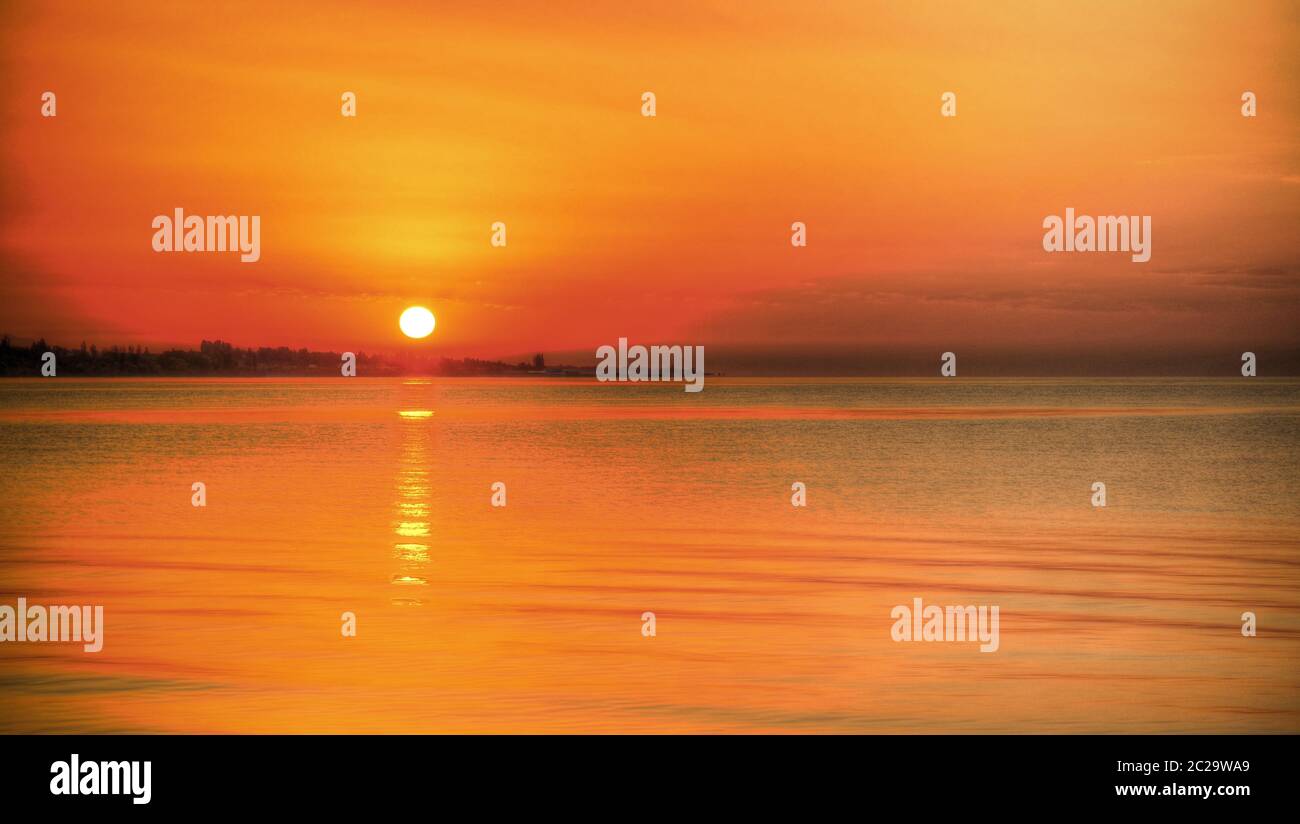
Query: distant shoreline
{"type": "Point", "coordinates": [217, 359]}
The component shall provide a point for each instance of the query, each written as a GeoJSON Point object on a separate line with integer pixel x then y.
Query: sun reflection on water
{"type": "Point", "coordinates": [412, 501]}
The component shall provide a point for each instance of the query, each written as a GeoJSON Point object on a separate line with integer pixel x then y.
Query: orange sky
{"type": "Point", "coordinates": [924, 232]}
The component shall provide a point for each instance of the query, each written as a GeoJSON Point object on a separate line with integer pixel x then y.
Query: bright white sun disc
{"type": "Point", "coordinates": [416, 322]}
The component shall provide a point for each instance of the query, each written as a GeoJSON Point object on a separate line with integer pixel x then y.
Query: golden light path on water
{"type": "Point", "coordinates": [414, 510]}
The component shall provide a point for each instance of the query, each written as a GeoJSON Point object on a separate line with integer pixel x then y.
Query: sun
{"type": "Point", "coordinates": [416, 322]}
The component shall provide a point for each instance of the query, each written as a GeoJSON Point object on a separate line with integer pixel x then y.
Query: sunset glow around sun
{"type": "Point", "coordinates": [417, 322]}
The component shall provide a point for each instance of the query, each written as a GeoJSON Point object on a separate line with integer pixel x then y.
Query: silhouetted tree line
{"type": "Point", "coordinates": [217, 357]}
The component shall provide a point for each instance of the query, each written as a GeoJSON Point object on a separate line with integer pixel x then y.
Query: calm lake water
{"type": "Point", "coordinates": [373, 496]}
